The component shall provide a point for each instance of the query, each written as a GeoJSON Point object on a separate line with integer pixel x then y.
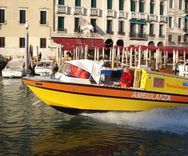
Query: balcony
{"type": "Point", "coordinates": [63, 9]}
{"type": "Point", "coordinates": [80, 11]}
{"type": "Point", "coordinates": [111, 13]}
{"type": "Point", "coordinates": [152, 17]}
{"type": "Point", "coordinates": [142, 16]}
{"type": "Point", "coordinates": [152, 35]}
{"type": "Point", "coordinates": [120, 32]}
{"type": "Point", "coordinates": [161, 36]}
{"type": "Point", "coordinates": [133, 15]}
{"type": "Point", "coordinates": [162, 18]}
{"type": "Point", "coordinates": [95, 12]}
{"type": "Point", "coordinates": [122, 14]}
{"type": "Point", "coordinates": [137, 36]}
{"type": "Point", "coordinates": [110, 32]}
{"type": "Point", "coordinates": [63, 30]}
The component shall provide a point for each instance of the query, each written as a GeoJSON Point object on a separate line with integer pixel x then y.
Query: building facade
{"type": "Point", "coordinates": [93, 23]}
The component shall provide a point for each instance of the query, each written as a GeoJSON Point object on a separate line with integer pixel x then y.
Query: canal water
{"type": "Point", "coordinates": [29, 127]}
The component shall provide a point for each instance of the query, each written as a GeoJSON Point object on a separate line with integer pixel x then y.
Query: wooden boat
{"type": "Point", "coordinates": [75, 95]}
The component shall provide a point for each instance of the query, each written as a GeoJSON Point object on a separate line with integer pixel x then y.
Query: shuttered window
{"type": "Point", "coordinates": [121, 4]}
{"type": "Point", "coordinates": [61, 2]}
{"type": "Point", "coordinates": [22, 16]}
{"type": "Point", "coordinates": [93, 3]}
{"type": "Point", "coordinates": [133, 6]}
{"type": "Point", "coordinates": [42, 17]}
{"type": "Point", "coordinates": [2, 16]}
{"type": "Point", "coordinates": [60, 23]}
{"type": "Point", "coordinates": [77, 2]}
{"type": "Point", "coordinates": [109, 4]}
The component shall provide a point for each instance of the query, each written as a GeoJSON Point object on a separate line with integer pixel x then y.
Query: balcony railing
{"type": "Point", "coordinates": [138, 36]}
{"type": "Point", "coordinates": [152, 17]}
{"type": "Point", "coordinates": [142, 16]}
{"type": "Point", "coordinates": [109, 32]}
{"type": "Point", "coordinates": [152, 35]}
{"type": "Point", "coordinates": [134, 15]}
{"type": "Point", "coordinates": [111, 13]}
{"type": "Point", "coordinates": [63, 9]}
{"type": "Point", "coordinates": [123, 14]}
{"type": "Point", "coordinates": [121, 32]}
{"type": "Point", "coordinates": [162, 18]}
{"type": "Point", "coordinates": [80, 11]}
{"type": "Point", "coordinates": [161, 36]}
{"type": "Point", "coordinates": [95, 12]}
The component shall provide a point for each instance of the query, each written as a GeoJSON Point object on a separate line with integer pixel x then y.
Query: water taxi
{"type": "Point", "coordinates": [101, 92]}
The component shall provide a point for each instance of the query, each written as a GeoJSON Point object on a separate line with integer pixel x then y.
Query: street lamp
{"type": "Point", "coordinates": [26, 56]}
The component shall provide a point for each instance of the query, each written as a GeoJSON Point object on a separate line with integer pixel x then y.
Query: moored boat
{"type": "Point", "coordinates": [75, 95]}
{"type": "Point", "coordinates": [14, 68]}
{"type": "Point", "coordinates": [44, 67]}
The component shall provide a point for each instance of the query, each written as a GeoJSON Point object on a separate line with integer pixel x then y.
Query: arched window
{"type": "Point", "coordinates": [133, 6]}
{"type": "Point", "coordinates": [152, 6]}
{"type": "Point", "coordinates": [161, 8]}
{"type": "Point", "coordinates": [141, 6]}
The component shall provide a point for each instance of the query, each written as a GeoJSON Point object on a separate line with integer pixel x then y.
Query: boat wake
{"type": "Point", "coordinates": [167, 120]}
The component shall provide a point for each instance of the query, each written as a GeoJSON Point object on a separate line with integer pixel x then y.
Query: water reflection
{"type": "Point", "coordinates": [28, 127]}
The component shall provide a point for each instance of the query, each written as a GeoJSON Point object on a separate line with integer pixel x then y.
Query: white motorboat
{"type": "Point", "coordinates": [44, 68]}
{"type": "Point", "coordinates": [14, 68]}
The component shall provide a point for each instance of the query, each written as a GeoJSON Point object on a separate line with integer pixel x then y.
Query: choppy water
{"type": "Point", "coordinates": [28, 127]}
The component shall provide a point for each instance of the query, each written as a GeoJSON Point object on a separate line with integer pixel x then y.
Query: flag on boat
{"type": "Point", "coordinates": [85, 24]}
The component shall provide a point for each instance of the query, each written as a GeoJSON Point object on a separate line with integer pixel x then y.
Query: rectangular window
{"type": "Point", "coordinates": [93, 3]}
{"type": "Point", "coordinates": [22, 16]}
{"type": "Point", "coordinates": [94, 24]}
{"type": "Point", "coordinates": [141, 6]}
{"type": "Point", "coordinates": [121, 27]}
{"type": "Point", "coordinates": [60, 23]}
{"type": "Point", "coordinates": [161, 8]}
{"type": "Point", "coordinates": [180, 4]}
{"type": "Point", "coordinates": [77, 2]}
{"type": "Point", "coordinates": [2, 42]}
{"type": "Point", "coordinates": [169, 38]}
{"type": "Point", "coordinates": [152, 8]}
{"type": "Point", "coordinates": [170, 22]}
{"type": "Point", "coordinates": [42, 42]}
{"type": "Point", "coordinates": [179, 38]}
{"type": "Point", "coordinates": [61, 2]}
{"type": "Point", "coordinates": [133, 30]}
{"type": "Point", "coordinates": [109, 4]}
{"type": "Point", "coordinates": [133, 6]}
{"type": "Point", "coordinates": [160, 30]}
{"type": "Point", "coordinates": [42, 17]}
{"type": "Point", "coordinates": [121, 5]}
{"type": "Point", "coordinates": [109, 26]}
{"type": "Point", "coordinates": [171, 4]}
{"type": "Point", "coordinates": [179, 23]}
{"type": "Point", "coordinates": [151, 30]}
{"type": "Point", "coordinates": [76, 24]}
{"type": "Point", "coordinates": [2, 16]}
{"type": "Point", "coordinates": [22, 42]}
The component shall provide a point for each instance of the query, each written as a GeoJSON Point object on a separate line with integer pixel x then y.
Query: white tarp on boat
{"type": "Point", "coordinates": [92, 67]}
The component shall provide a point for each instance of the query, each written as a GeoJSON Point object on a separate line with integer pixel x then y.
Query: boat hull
{"type": "Point", "coordinates": [76, 98]}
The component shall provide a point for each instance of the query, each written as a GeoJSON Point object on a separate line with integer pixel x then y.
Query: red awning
{"type": "Point", "coordinates": [68, 43]}
{"type": "Point", "coordinates": [92, 43]}
{"type": "Point", "coordinates": [71, 43]}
